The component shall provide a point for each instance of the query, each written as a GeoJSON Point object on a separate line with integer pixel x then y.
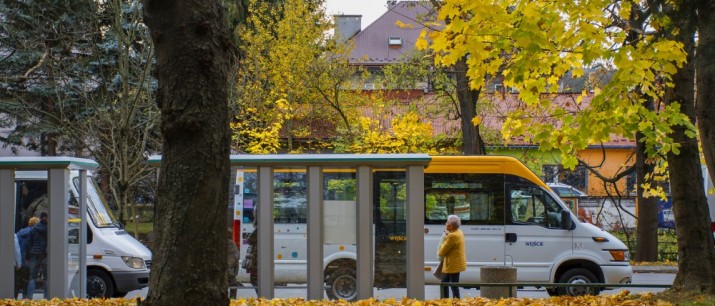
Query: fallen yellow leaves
{"type": "Point", "coordinates": [622, 298]}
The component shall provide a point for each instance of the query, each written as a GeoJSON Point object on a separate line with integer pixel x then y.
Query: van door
{"type": "Point", "coordinates": [534, 238]}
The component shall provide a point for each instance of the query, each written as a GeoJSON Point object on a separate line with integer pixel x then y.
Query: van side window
{"type": "Point", "coordinates": [531, 205]}
{"type": "Point", "coordinates": [478, 199]}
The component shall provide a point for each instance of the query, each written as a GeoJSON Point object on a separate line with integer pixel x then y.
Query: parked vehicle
{"type": "Point", "coordinates": [565, 191]}
{"type": "Point", "coordinates": [509, 218]}
{"type": "Point", "coordinates": [116, 262]}
{"type": "Point", "coordinates": [710, 195]}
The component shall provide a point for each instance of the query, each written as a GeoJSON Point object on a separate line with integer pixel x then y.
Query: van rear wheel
{"type": "Point", "coordinates": [342, 284]}
{"type": "Point", "coordinates": [578, 276]}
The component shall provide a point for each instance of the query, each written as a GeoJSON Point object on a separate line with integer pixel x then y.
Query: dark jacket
{"type": "Point", "coordinates": [37, 242]}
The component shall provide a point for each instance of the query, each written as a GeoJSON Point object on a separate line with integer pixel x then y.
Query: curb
{"type": "Point", "coordinates": [655, 269]}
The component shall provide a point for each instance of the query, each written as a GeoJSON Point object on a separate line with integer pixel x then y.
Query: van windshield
{"type": "Point", "coordinates": [96, 205]}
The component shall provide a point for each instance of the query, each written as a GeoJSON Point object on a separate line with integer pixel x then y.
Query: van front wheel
{"type": "Point", "coordinates": [99, 284]}
{"type": "Point", "coordinates": [342, 284]}
{"type": "Point", "coordinates": [578, 276]}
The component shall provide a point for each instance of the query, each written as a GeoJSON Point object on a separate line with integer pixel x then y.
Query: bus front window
{"type": "Point", "coordinates": [96, 205]}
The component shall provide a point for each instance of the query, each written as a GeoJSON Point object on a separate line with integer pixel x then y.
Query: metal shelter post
{"type": "Point", "coordinates": [415, 233]}
{"type": "Point", "coordinates": [315, 233]}
{"type": "Point", "coordinates": [7, 231]}
{"type": "Point", "coordinates": [364, 233]}
{"type": "Point", "coordinates": [57, 182]}
{"type": "Point", "coordinates": [266, 262]}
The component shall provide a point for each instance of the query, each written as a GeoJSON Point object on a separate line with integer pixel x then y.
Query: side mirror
{"type": "Point", "coordinates": [566, 222]}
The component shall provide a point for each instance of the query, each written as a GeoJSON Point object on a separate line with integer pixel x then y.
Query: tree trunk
{"type": "Point", "coordinates": [705, 105]}
{"type": "Point", "coordinates": [472, 143]}
{"type": "Point", "coordinates": [194, 54]}
{"type": "Point", "coordinates": [696, 269]}
{"type": "Point", "coordinates": [647, 229]}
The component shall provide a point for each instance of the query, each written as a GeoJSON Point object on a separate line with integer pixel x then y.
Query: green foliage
{"type": "Point", "coordinates": [44, 45]}
{"type": "Point", "coordinates": [78, 82]}
{"type": "Point", "coordinates": [667, 244]}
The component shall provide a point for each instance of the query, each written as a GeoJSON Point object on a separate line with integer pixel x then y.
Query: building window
{"type": "Point", "coordinates": [394, 41]}
{"type": "Point", "coordinates": [631, 184]}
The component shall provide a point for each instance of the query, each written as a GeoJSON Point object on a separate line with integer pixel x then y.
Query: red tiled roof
{"type": "Point", "coordinates": [493, 117]}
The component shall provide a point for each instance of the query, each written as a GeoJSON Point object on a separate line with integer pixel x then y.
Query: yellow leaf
{"type": "Point", "coordinates": [476, 120]}
{"type": "Point", "coordinates": [403, 25]}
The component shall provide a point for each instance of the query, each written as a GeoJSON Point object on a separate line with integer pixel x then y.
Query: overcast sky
{"type": "Point", "coordinates": [369, 9]}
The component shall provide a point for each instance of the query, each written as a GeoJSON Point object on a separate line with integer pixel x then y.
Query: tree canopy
{"type": "Point", "coordinates": [645, 47]}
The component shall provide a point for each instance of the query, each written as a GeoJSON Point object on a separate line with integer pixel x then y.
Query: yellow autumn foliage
{"type": "Point", "coordinates": [537, 46]}
{"type": "Point", "coordinates": [622, 298]}
{"type": "Point", "coordinates": [406, 134]}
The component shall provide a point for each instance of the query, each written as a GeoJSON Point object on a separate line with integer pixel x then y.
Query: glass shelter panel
{"type": "Point", "coordinates": [339, 233]}
{"type": "Point", "coordinates": [390, 192]}
{"type": "Point", "coordinates": [73, 239]}
{"type": "Point", "coordinates": [290, 230]}
{"type": "Point", "coordinates": [290, 217]}
{"type": "Point", "coordinates": [31, 205]}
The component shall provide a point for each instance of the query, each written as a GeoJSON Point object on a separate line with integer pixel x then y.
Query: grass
{"type": "Point", "coordinates": [143, 227]}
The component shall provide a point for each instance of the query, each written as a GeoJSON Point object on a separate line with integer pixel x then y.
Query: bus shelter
{"type": "Point", "coordinates": [364, 166]}
{"type": "Point", "coordinates": [66, 241]}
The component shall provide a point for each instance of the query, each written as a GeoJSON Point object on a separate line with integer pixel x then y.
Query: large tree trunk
{"type": "Point", "coordinates": [194, 54]}
{"type": "Point", "coordinates": [647, 229]}
{"type": "Point", "coordinates": [472, 143]}
{"type": "Point", "coordinates": [696, 263]}
{"type": "Point", "coordinates": [705, 67]}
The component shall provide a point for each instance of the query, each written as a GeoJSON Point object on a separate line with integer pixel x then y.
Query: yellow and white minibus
{"type": "Point", "coordinates": [508, 215]}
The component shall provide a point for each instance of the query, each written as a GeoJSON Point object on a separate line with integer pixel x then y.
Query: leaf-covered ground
{"type": "Point", "coordinates": [623, 298]}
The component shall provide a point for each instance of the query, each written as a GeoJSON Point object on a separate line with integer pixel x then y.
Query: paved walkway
{"type": "Point", "coordinates": [655, 269]}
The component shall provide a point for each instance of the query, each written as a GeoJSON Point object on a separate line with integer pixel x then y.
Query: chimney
{"type": "Point", "coordinates": [346, 26]}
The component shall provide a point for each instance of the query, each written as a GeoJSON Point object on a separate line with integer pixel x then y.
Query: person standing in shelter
{"type": "Point", "coordinates": [22, 275]}
{"type": "Point", "coordinates": [18, 254]}
{"type": "Point", "coordinates": [35, 254]}
{"type": "Point", "coordinates": [250, 262]}
{"type": "Point", "coordinates": [233, 257]}
{"type": "Point", "coordinates": [454, 255]}
{"type": "Point", "coordinates": [18, 264]}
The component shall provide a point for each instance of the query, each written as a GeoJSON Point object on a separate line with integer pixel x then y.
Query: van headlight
{"type": "Point", "coordinates": [134, 262]}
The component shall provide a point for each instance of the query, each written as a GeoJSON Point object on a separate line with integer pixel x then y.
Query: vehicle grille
{"type": "Point", "coordinates": [148, 264]}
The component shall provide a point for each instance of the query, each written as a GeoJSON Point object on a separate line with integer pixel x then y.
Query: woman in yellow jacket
{"type": "Point", "coordinates": [454, 255]}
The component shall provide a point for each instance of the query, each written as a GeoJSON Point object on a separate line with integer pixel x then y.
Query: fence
{"type": "Point", "coordinates": [551, 285]}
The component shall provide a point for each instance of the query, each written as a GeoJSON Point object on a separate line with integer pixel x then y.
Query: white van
{"type": "Point", "coordinates": [509, 218]}
{"type": "Point", "coordinates": [116, 262]}
{"type": "Point", "coordinates": [709, 196]}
